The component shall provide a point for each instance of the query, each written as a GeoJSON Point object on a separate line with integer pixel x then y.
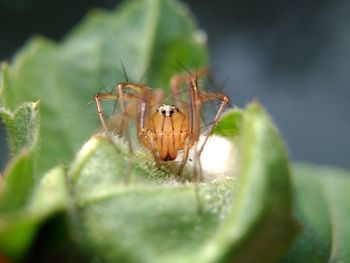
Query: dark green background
{"type": "Point", "coordinates": [294, 56]}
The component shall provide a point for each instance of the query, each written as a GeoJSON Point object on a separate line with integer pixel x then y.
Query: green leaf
{"type": "Point", "coordinates": [322, 206]}
{"type": "Point", "coordinates": [51, 194]}
{"type": "Point", "coordinates": [148, 36]}
{"type": "Point", "coordinates": [120, 207]}
{"type": "Point", "coordinates": [160, 218]}
{"type": "Point", "coordinates": [230, 124]}
{"type": "Point", "coordinates": [18, 227]}
{"type": "Point", "coordinates": [23, 130]}
{"type": "Point", "coordinates": [18, 182]}
{"type": "Point", "coordinates": [22, 127]}
{"type": "Point", "coordinates": [261, 216]}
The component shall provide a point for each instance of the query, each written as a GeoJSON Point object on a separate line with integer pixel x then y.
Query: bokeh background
{"type": "Point", "coordinates": [294, 56]}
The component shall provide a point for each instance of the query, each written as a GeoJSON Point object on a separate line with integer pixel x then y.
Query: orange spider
{"type": "Point", "coordinates": [166, 129]}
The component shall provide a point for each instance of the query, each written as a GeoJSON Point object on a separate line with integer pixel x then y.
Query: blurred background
{"type": "Point", "coordinates": [294, 56]}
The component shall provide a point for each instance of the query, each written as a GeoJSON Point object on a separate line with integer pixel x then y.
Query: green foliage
{"type": "Point", "coordinates": [18, 227]}
{"type": "Point", "coordinates": [159, 219]}
{"type": "Point", "coordinates": [23, 134]}
{"type": "Point", "coordinates": [22, 127]}
{"type": "Point", "coordinates": [104, 205]}
{"type": "Point", "coordinates": [321, 204]}
{"type": "Point", "coordinates": [230, 124]}
{"type": "Point", "coordinates": [166, 216]}
{"type": "Point", "coordinates": [65, 76]}
{"type": "Point", "coordinates": [262, 209]}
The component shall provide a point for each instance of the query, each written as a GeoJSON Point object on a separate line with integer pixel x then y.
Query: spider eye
{"type": "Point", "coordinates": [163, 112]}
{"type": "Point", "coordinates": [171, 112]}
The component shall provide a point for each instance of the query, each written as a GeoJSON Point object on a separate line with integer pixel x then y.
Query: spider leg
{"type": "Point", "coordinates": [144, 97]}
{"type": "Point", "coordinates": [196, 98]}
{"type": "Point", "coordinates": [193, 132]}
{"type": "Point", "coordinates": [154, 151]}
{"type": "Point", "coordinates": [122, 97]}
{"type": "Point", "coordinates": [185, 155]}
{"type": "Point", "coordinates": [213, 96]}
{"type": "Point", "coordinates": [109, 96]}
{"type": "Point", "coordinates": [193, 113]}
{"type": "Point", "coordinates": [144, 119]}
{"type": "Point", "coordinates": [103, 96]}
{"type": "Point", "coordinates": [123, 120]}
{"type": "Point", "coordinates": [177, 79]}
{"type": "Point", "coordinates": [196, 176]}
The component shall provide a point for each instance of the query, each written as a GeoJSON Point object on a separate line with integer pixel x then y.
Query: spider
{"type": "Point", "coordinates": [166, 129]}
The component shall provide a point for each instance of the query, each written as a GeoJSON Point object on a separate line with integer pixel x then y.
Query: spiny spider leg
{"type": "Point", "coordinates": [213, 96]}
{"type": "Point", "coordinates": [142, 97]}
{"type": "Point", "coordinates": [103, 96]}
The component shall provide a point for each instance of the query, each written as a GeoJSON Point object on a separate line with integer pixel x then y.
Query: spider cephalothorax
{"type": "Point", "coordinates": [168, 129]}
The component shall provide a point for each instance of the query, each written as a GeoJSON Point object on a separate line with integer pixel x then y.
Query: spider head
{"type": "Point", "coordinates": [167, 110]}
